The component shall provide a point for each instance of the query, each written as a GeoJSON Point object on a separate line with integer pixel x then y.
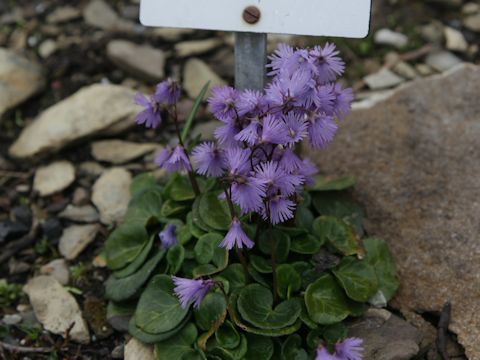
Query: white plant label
{"type": "Point", "coordinates": [342, 18]}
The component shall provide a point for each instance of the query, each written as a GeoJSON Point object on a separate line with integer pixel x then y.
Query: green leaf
{"type": "Point", "coordinates": [327, 183]}
{"type": "Point", "coordinates": [235, 276]}
{"type": "Point", "coordinates": [171, 208]}
{"type": "Point", "coordinates": [335, 332]}
{"type": "Point", "coordinates": [335, 203]}
{"type": "Point", "coordinates": [260, 264]}
{"type": "Point", "coordinates": [141, 183]}
{"type": "Point", "coordinates": [179, 188]}
{"type": "Point", "coordinates": [357, 278]}
{"type": "Point", "coordinates": [237, 353]}
{"type": "Point", "coordinates": [304, 217]}
{"type": "Point", "coordinates": [194, 229]}
{"type": "Point", "coordinates": [306, 244]}
{"type": "Point", "coordinates": [158, 309]}
{"type": "Point", "coordinates": [124, 244]}
{"type": "Point", "coordinates": [212, 309]}
{"type": "Point", "coordinates": [227, 336]}
{"type": "Point", "coordinates": [379, 257]}
{"type": "Point", "coordinates": [292, 349]}
{"type": "Point", "coordinates": [232, 309]}
{"type": "Point", "coordinates": [255, 304]}
{"type": "Point", "coordinates": [259, 347]}
{"type": "Point", "coordinates": [214, 212]}
{"type": "Point", "coordinates": [175, 257]}
{"type": "Point", "coordinates": [325, 301]}
{"type": "Point", "coordinates": [197, 219]}
{"type": "Point", "coordinates": [135, 264]}
{"type": "Point", "coordinates": [178, 346]}
{"type": "Point", "coordinates": [288, 280]}
{"type": "Point", "coordinates": [193, 112]}
{"type": "Point", "coordinates": [145, 206]}
{"type": "Point", "coordinates": [148, 338]}
{"type": "Point", "coordinates": [119, 314]}
{"type": "Point", "coordinates": [205, 247]}
{"type": "Point", "coordinates": [127, 287]}
{"type": "Point", "coordinates": [338, 233]}
{"type": "Point", "coordinates": [282, 244]}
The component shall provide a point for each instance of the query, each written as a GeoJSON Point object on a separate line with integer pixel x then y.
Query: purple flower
{"type": "Point", "coordinates": [223, 103]}
{"type": "Point", "coordinates": [296, 126]}
{"type": "Point", "coordinates": [173, 159]}
{"type": "Point", "coordinates": [236, 237]}
{"type": "Point", "coordinates": [348, 349]}
{"type": "Point", "coordinates": [191, 291]}
{"type": "Point", "coordinates": [342, 101]}
{"type": "Point", "coordinates": [274, 131]}
{"type": "Point", "coordinates": [251, 102]}
{"type": "Point", "coordinates": [168, 92]}
{"type": "Point", "coordinates": [248, 193]}
{"type": "Point", "coordinates": [321, 131]}
{"type": "Point", "coordinates": [289, 161]}
{"type": "Point", "coordinates": [276, 179]}
{"type": "Point", "coordinates": [279, 58]}
{"type": "Point", "coordinates": [281, 209]}
{"type": "Point", "coordinates": [225, 134]}
{"type": "Point", "coordinates": [327, 65]}
{"type": "Point", "coordinates": [238, 161]}
{"type": "Point", "coordinates": [151, 115]}
{"type": "Point", "coordinates": [324, 98]}
{"type": "Point", "coordinates": [294, 90]}
{"type": "Point", "coordinates": [249, 134]}
{"type": "Point", "coordinates": [167, 236]}
{"type": "Point", "coordinates": [209, 159]}
{"type": "Point", "coordinates": [308, 170]}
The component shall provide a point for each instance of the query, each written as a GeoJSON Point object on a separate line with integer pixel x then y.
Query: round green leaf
{"type": "Point", "coordinates": [171, 208]}
{"type": "Point", "coordinates": [197, 219]}
{"type": "Point", "coordinates": [255, 304]}
{"type": "Point", "coordinates": [325, 301]}
{"type": "Point", "coordinates": [214, 212]}
{"type": "Point", "coordinates": [282, 244]}
{"type": "Point", "coordinates": [135, 264]}
{"type": "Point", "coordinates": [144, 206]}
{"type": "Point", "coordinates": [142, 182]}
{"type": "Point", "coordinates": [125, 288]}
{"type": "Point", "coordinates": [292, 349]}
{"type": "Point", "coordinates": [148, 338]}
{"type": "Point", "coordinates": [259, 347]}
{"type": "Point", "coordinates": [227, 336]}
{"type": "Point", "coordinates": [304, 217]}
{"type": "Point", "coordinates": [306, 244]}
{"type": "Point", "coordinates": [179, 188]}
{"type": "Point", "coordinates": [335, 332]}
{"type": "Point", "coordinates": [205, 247]}
{"type": "Point", "coordinates": [235, 275]}
{"type": "Point", "coordinates": [212, 309]}
{"type": "Point", "coordinates": [357, 278]}
{"type": "Point", "coordinates": [260, 264]}
{"type": "Point", "coordinates": [175, 257]}
{"type": "Point", "coordinates": [124, 244]}
{"type": "Point", "coordinates": [158, 309]}
{"type": "Point", "coordinates": [288, 280]}
{"type": "Point", "coordinates": [178, 346]}
{"type": "Point", "coordinates": [338, 233]}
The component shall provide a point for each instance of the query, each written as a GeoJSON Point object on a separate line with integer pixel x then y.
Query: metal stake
{"type": "Point", "coordinates": [250, 60]}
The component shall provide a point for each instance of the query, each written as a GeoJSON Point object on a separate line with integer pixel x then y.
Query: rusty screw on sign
{"type": "Point", "coordinates": [251, 14]}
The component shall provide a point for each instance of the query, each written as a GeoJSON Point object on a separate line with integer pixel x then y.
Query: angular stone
{"type": "Point", "coordinates": [56, 308]}
{"type": "Point", "coordinates": [196, 47]}
{"type": "Point", "coordinates": [111, 195]}
{"type": "Point", "coordinates": [142, 61]}
{"type": "Point", "coordinates": [75, 239]}
{"type": "Point", "coordinates": [386, 336]}
{"type": "Point", "coordinates": [63, 14]}
{"type": "Point", "coordinates": [47, 48]}
{"type": "Point", "coordinates": [172, 34]}
{"type": "Point", "coordinates": [136, 350]}
{"type": "Point", "coordinates": [58, 269]}
{"type": "Point", "coordinates": [99, 14]}
{"type": "Point", "coordinates": [418, 180]}
{"type": "Point", "coordinates": [442, 60]}
{"type": "Point", "coordinates": [405, 70]}
{"type": "Point", "coordinates": [196, 74]}
{"type": "Point", "coordinates": [120, 152]}
{"type": "Point", "coordinates": [383, 79]}
{"type": "Point", "coordinates": [89, 111]}
{"type": "Point", "coordinates": [472, 22]}
{"type": "Point", "coordinates": [390, 37]}
{"type": "Point", "coordinates": [19, 79]}
{"type": "Point", "coordinates": [455, 40]}
{"type": "Point", "coordinates": [85, 213]}
{"type": "Point", "coordinates": [53, 178]}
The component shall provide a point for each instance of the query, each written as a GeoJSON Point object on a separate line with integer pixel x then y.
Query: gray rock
{"type": "Point", "coordinates": [433, 32]}
{"type": "Point", "coordinates": [63, 14]}
{"type": "Point", "coordinates": [472, 22]}
{"type": "Point", "coordinates": [56, 308]}
{"type": "Point", "coordinates": [471, 8]}
{"type": "Point", "coordinates": [12, 319]}
{"type": "Point", "coordinates": [405, 70]}
{"type": "Point", "coordinates": [75, 239]}
{"type": "Point", "coordinates": [19, 79]}
{"type": "Point", "coordinates": [391, 38]}
{"type": "Point", "coordinates": [423, 195]}
{"type": "Point", "coordinates": [91, 168]}
{"type": "Point", "coordinates": [172, 34]}
{"type": "Point", "coordinates": [120, 152]}
{"type": "Point", "coordinates": [442, 60]}
{"type": "Point", "coordinates": [80, 197]}
{"type": "Point", "coordinates": [455, 41]}
{"type": "Point", "coordinates": [196, 47]}
{"type": "Point", "coordinates": [424, 69]}
{"type": "Point", "coordinates": [85, 213]}
{"type": "Point", "coordinates": [47, 48]}
{"type": "Point", "coordinates": [383, 79]}
{"type": "Point", "coordinates": [53, 178]}
{"type": "Point", "coordinates": [111, 195]}
{"type": "Point", "coordinates": [142, 61]}
{"type": "Point", "coordinates": [386, 336]}
{"type": "Point", "coordinates": [58, 269]}
{"type": "Point", "coordinates": [90, 111]}
{"type": "Point", "coordinates": [99, 14]}
{"type": "Point", "coordinates": [136, 350]}
{"type": "Point", "coordinates": [196, 74]}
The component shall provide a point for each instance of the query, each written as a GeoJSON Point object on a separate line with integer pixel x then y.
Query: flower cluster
{"type": "Point", "coordinates": [348, 349]}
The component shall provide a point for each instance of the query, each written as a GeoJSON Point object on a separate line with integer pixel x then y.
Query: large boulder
{"type": "Point", "coordinates": [20, 78]}
{"type": "Point", "coordinates": [416, 157]}
{"type": "Point", "coordinates": [90, 111]}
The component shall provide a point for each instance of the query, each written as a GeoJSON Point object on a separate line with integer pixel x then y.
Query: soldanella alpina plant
{"type": "Point", "coordinates": [244, 252]}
